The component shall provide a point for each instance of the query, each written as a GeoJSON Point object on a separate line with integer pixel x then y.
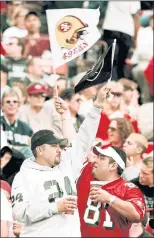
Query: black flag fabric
{"type": "Point", "coordinates": [100, 72]}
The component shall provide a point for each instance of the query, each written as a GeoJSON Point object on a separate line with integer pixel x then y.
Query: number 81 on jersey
{"type": "Point", "coordinates": [92, 215]}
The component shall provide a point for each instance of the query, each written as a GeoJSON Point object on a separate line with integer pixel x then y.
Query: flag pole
{"type": "Point", "coordinates": [112, 58]}
{"type": "Point", "coordinates": [54, 72]}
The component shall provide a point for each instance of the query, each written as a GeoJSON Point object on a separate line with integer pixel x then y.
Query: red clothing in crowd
{"type": "Point", "coordinates": [39, 47]}
{"type": "Point", "coordinates": [149, 74]}
{"type": "Point", "coordinates": [98, 221]}
{"type": "Point", "coordinates": [104, 123]}
{"type": "Point", "coordinates": [2, 51]}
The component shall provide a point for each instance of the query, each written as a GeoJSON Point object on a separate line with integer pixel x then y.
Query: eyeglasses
{"type": "Point", "coordinates": [12, 43]}
{"type": "Point", "coordinates": [38, 95]}
{"type": "Point", "coordinates": [9, 102]}
{"type": "Point", "coordinates": [112, 128]}
{"type": "Point", "coordinates": [117, 94]}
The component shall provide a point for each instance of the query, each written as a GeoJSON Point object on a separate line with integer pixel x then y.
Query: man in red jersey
{"type": "Point", "coordinates": [109, 206]}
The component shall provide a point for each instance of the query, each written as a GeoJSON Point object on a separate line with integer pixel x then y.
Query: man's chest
{"type": "Point", "coordinates": [53, 185]}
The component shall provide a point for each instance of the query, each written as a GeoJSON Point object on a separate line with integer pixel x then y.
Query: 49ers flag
{"type": "Point", "coordinates": [71, 32]}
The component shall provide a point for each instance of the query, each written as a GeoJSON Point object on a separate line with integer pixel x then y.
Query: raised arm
{"type": "Point", "coordinates": [87, 133]}
{"type": "Point", "coordinates": [68, 128]}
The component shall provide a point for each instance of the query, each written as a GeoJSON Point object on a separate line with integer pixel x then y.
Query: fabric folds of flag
{"type": "Point", "coordinates": [72, 32]}
{"type": "Point", "coordinates": [100, 72]}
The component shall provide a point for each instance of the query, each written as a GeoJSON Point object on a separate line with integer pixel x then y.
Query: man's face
{"type": "Point", "coordinates": [130, 146]}
{"type": "Point", "coordinates": [51, 154]}
{"type": "Point", "coordinates": [116, 100]}
{"type": "Point", "coordinates": [101, 168]}
{"type": "Point", "coordinates": [75, 103]}
{"type": "Point", "coordinates": [113, 133]}
{"type": "Point", "coordinates": [36, 100]}
{"type": "Point", "coordinates": [10, 105]}
{"type": "Point", "coordinates": [12, 47]}
{"type": "Point", "coordinates": [36, 68]}
{"type": "Point", "coordinates": [32, 24]}
{"type": "Point", "coordinates": [146, 175]}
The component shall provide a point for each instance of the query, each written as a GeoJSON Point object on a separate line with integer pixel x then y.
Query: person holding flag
{"type": "Point", "coordinates": [46, 202]}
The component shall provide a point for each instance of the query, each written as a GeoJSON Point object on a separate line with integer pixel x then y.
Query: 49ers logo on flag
{"type": "Point", "coordinates": [65, 26]}
{"type": "Point", "coordinates": [69, 31]}
{"type": "Point", "coordinates": [72, 32]}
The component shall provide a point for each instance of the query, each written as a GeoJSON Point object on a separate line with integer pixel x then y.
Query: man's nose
{"type": "Point", "coordinates": [59, 149]}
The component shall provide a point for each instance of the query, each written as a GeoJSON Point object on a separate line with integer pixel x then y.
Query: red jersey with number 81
{"type": "Point", "coordinates": [100, 221]}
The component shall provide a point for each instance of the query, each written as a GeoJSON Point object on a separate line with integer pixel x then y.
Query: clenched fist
{"type": "Point", "coordinates": [103, 95]}
{"type": "Point", "coordinates": [67, 205]}
{"type": "Point", "coordinates": [61, 105]}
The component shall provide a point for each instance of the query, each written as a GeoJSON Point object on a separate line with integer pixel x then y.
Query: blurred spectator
{"type": "Point", "coordinates": [61, 84]}
{"type": "Point", "coordinates": [35, 114]}
{"type": "Point", "coordinates": [119, 129]}
{"type": "Point", "coordinates": [18, 28]}
{"type": "Point", "coordinates": [142, 56]}
{"type": "Point", "coordinates": [145, 181]}
{"type": "Point", "coordinates": [74, 102]}
{"type": "Point", "coordinates": [112, 109]}
{"type": "Point", "coordinates": [11, 161]}
{"type": "Point", "coordinates": [35, 69]}
{"type": "Point", "coordinates": [21, 89]}
{"type": "Point", "coordinates": [6, 216]}
{"type": "Point", "coordinates": [50, 81]}
{"type": "Point", "coordinates": [130, 103]}
{"type": "Point", "coordinates": [134, 147]}
{"type": "Point", "coordinates": [14, 48]}
{"type": "Point", "coordinates": [117, 14]}
{"type": "Point", "coordinates": [7, 17]}
{"type": "Point", "coordinates": [3, 75]}
{"type": "Point", "coordinates": [138, 229]}
{"type": "Point", "coordinates": [87, 97]}
{"type": "Point", "coordinates": [145, 120]}
{"type": "Point", "coordinates": [17, 132]}
{"type": "Point", "coordinates": [35, 42]}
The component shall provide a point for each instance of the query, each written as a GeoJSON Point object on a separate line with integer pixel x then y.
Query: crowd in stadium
{"type": "Point", "coordinates": [76, 164]}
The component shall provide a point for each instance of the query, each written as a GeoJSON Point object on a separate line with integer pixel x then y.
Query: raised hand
{"type": "Point", "coordinates": [103, 95]}
{"type": "Point", "coordinates": [61, 105]}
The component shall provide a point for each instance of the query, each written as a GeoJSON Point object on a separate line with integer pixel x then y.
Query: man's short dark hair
{"type": "Point", "coordinates": [123, 156]}
{"type": "Point", "coordinates": [32, 13]}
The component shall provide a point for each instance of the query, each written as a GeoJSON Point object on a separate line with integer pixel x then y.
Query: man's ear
{"type": "Point", "coordinates": [113, 166]}
{"type": "Point", "coordinates": [139, 150]}
{"type": "Point", "coordinates": [39, 150]}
